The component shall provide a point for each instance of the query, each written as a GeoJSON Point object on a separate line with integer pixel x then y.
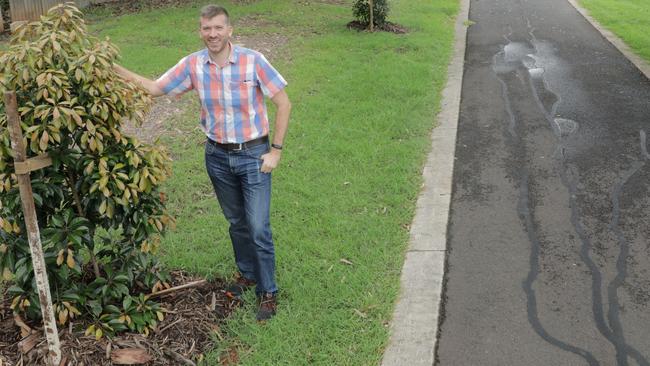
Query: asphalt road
{"type": "Point", "coordinates": [549, 234]}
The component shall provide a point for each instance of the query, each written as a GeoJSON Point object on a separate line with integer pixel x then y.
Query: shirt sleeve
{"type": "Point", "coordinates": [176, 80]}
{"type": "Point", "coordinates": [268, 77]}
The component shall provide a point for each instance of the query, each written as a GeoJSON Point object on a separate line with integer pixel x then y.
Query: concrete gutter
{"type": "Point", "coordinates": [640, 63]}
{"type": "Point", "coordinates": [414, 328]}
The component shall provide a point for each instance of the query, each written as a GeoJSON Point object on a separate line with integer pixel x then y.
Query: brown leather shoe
{"type": "Point", "coordinates": [237, 288]}
{"type": "Point", "coordinates": [268, 305]}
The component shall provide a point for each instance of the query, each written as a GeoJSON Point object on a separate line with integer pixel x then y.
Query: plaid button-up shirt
{"type": "Point", "coordinates": [232, 97]}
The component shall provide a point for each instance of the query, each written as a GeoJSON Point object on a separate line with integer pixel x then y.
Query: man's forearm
{"type": "Point", "coordinates": [147, 84]}
{"type": "Point", "coordinates": [281, 118]}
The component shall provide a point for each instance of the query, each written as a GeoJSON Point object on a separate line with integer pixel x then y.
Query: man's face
{"type": "Point", "coordinates": [215, 33]}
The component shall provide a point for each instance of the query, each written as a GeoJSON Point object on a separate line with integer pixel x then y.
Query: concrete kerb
{"type": "Point", "coordinates": [640, 63]}
{"type": "Point", "coordinates": [414, 327]}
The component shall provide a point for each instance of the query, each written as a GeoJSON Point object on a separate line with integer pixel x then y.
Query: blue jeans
{"type": "Point", "coordinates": [244, 193]}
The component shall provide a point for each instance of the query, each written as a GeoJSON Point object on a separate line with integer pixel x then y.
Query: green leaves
{"type": "Point", "coordinates": [361, 10]}
{"type": "Point", "coordinates": [99, 207]}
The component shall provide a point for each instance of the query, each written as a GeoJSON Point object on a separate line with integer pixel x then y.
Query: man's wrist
{"type": "Point", "coordinates": [276, 146]}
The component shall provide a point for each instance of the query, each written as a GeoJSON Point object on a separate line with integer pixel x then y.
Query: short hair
{"type": "Point", "coordinates": [211, 10]}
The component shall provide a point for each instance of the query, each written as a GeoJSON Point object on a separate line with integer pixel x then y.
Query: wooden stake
{"type": "Point", "coordinates": [34, 235]}
{"type": "Point", "coordinates": [181, 287]}
{"type": "Point", "coordinates": [372, 15]}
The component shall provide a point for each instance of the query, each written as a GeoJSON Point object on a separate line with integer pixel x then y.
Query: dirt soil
{"type": "Point", "coordinates": [191, 326]}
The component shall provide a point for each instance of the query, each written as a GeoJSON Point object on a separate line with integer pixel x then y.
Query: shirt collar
{"type": "Point", "coordinates": [232, 58]}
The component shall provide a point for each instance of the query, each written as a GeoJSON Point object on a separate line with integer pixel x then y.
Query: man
{"type": "Point", "coordinates": [231, 83]}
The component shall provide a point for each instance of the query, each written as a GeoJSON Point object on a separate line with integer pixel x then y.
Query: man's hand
{"type": "Point", "coordinates": [270, 160]}
{"type": "Point", "coordinates": [149, 85]}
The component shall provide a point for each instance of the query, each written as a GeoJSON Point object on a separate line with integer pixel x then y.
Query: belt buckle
{"type": "Point", "coordinates": [240, 148]}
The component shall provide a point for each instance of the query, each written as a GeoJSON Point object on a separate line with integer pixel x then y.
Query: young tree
{"type": "Point", "coordinates": [99, 207]}
{"type": "Point", "coordinates": [361, 10]}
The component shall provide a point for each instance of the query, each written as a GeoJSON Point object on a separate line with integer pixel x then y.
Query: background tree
{"type": "Point", "coordinates": [99, 207]}
{"type": "Point", "coordinates": [361, 11]}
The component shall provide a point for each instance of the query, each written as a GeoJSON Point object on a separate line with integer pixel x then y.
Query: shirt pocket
{"type": "Point", "coordinates": [243, 92]}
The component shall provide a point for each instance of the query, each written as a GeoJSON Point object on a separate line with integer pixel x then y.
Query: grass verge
{"type": "Point", "coordinates": [629, 19]}
{"type": "Point", "coordinates": [364, 105]}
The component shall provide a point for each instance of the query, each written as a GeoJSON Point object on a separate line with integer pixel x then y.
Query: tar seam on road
{"type": "Point", "coordinates": [509, 60]}
{"type": "Point", "coordinates": [415, 323]}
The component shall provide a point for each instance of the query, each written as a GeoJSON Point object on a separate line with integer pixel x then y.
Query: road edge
{"type": "Point", "coordinates": [414, 327]}
{"type": "Point", "coordinates": [617, 42]}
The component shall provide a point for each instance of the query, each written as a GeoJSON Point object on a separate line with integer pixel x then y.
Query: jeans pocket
{"type": "Point", "coordinates": [257, 151]}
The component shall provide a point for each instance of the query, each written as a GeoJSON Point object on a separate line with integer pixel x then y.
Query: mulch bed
{"type": "Point", "coordinates": [386, 27]}
{"type": "Point", "coordinates": [191, 326]}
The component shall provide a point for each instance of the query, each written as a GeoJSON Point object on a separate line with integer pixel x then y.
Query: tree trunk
{"type": "Point", "coordinates": [33, 233]}
{"type": "Point", "coordinates": [372, 15]}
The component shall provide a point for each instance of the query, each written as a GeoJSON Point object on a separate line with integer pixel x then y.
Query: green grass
{"type": "Point", "coordinates": [364, 105]}
{"type": "Point", "coordinates": [629, 19]}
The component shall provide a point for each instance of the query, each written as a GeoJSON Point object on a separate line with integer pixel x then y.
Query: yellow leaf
{"type": "Point", "coordinates": [90, 330]}
{"type": "Point", "coordinates": [74, 310]}
{"type": "Point", "coordinates": [91, 127]}
{"type": "Point", "coordinates": [77, 119]}
{"type": "Point", "coordinates": [59, 258]}
{"type": "Point", "coordinates": [6, 274]}
{"type": "Point", "coordinates": [16, 228]}
{"type": "Point", "coordinates": [161, 316]}
{"type": "Point", "coordinates": [55, 113]}
{"type": "Point", "coordinates": [15, 302]}
{"type": "Point", "coordinates": [63, 316]}
{"type": "Point", "coordinates": [102, 207]}
{"type": "Point", "coordinates": [70, 261]}
{"type": "Point", "coordinates": [98, 334]}
{"type": "Point", "coordinates": [45, 138]}
{"type": "Point", "coordinates": [89, 168]}
{"type": "Point", "coordinates": [103, 182]}
{"type": "Point", "coordinates": [6, 226]}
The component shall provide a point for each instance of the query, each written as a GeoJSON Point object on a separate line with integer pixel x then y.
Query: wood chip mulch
{"type": "Point", "coordinates": [386, 27]}
{"type": "Point", "coordinates": [190, 328]}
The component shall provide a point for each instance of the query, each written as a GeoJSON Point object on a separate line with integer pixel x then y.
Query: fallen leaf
{"type": "Point", "coordinates": [345, 261]}
{"type": "Point", "coordinates": [361, 314]}
{"type": "Point", "coordinates": [24, 328]}
{"type": "Point", "coordinates": [28, 343]}
{"type": "Point", "coordinates": [130, 356]}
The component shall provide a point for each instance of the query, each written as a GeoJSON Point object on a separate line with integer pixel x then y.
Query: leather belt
{"type": "Point", "coordinates": [242, 146]}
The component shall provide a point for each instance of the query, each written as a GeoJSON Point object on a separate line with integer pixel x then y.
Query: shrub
{"type": "Point", "coordinates": [99, 207]}
{"type": "Point", "coordinates": [361, 11]}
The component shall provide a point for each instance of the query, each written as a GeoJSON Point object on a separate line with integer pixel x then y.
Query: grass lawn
{"type": "Point", "coordinates": [629, 19]}
{"type": "Point", "coordinates": [364, 105]}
